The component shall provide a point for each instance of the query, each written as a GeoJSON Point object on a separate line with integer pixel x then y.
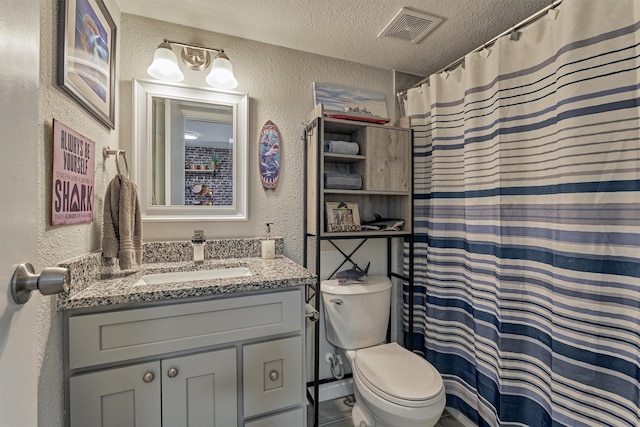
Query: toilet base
{"type": "Point", "coordinates": [395, 416]}
{"type": "Point", "coordinates": [361, 417]}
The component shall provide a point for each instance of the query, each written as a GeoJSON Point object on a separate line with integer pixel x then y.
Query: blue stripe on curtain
{"type": "Point", "coordinates": [526, 293]}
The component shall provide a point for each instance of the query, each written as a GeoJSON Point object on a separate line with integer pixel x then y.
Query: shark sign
{"type": "Point", "coordinates": [73, 175]}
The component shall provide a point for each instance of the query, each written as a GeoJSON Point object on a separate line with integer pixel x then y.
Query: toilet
{"type": "Point", "coordinates": [393, 386]}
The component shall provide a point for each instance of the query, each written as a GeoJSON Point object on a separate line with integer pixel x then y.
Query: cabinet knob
{"type": "Point", "coordinates": [172, 373]}
{"type": "Point", "coordinates": [148, 377]}
{"type": "Point", "coordinates": [274, 375]}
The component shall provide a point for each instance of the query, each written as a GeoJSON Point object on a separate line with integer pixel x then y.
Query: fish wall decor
{"type": "Point", "coordinates": [269, 146]}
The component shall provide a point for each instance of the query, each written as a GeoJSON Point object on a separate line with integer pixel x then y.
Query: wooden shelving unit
{"type": "Point", "coordinates": [385, 163]}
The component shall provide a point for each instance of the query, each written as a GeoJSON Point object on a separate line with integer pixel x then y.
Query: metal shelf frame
{"type": "Point", "coordinates": [313, 291]}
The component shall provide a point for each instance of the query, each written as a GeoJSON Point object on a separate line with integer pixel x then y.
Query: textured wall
{"type": "Point", "coordinates": [56, 244]}
{"type": "Point", "coordinates": [279, 82]}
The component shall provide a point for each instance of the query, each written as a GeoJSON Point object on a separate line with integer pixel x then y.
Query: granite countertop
{"type": "Point", "coordinates": [117, 288]}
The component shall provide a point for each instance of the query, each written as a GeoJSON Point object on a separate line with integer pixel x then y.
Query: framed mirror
{"type": "Point", "coordinates": [190, 152]}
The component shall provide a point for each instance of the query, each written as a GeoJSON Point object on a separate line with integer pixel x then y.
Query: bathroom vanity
{"type": "Point", "coordinates": [222, 351]}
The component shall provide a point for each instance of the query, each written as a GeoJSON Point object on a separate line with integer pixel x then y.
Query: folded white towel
{"type": "Point", "coordinates": [122, 223]}
{"type": "Point", "coordinates": [341, 147]}
{"type": "Point", "coordinates": [337, 181]}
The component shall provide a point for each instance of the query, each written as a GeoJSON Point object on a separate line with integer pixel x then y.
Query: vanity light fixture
{"type": "Point", "coordinates": [165, 64]}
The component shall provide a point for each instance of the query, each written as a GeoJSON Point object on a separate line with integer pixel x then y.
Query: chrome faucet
{"type": "Point", "coordinates": [198, 246]}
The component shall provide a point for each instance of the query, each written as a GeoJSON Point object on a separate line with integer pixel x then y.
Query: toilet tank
{"type": "Point", "coordinates": [356, 314]}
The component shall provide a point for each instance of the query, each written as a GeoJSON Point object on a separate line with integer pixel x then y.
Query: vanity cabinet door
{"type": "Point", "coordinates": [122, 397]}
{"type": "Point", "coordinates": [272, 375]}
{"type": "Point", "coordinates": [200, 389]}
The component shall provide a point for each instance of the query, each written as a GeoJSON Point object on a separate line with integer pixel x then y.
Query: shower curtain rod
{"type": "Point", "coordinates": [516, 27]}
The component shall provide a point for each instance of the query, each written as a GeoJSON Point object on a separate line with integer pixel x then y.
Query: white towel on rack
{"type": "Point", "coordinates": [122, 223]}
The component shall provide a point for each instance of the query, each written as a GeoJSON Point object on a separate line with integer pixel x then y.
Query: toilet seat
{"type": "Point", "coordinates": [398, 375]}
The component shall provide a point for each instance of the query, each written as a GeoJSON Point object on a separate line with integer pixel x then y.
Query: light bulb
{"type": "Point", "coordinates": [221, 75]}
{"type": "Point", "coordinates": [165, 64]}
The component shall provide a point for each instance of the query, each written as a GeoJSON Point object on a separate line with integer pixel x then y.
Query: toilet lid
{"type": "Point", "coordinates": [398, 375]}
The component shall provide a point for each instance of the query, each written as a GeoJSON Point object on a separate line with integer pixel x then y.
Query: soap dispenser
{"type": "Point", "coordinates": [198, 246]}
{"type": "Point", "coordinates": [268, 244]}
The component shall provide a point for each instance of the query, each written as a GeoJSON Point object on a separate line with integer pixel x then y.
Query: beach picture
{"type": "Point", "coordinates": [351, 104]}
{"type": "Point", "coordinates": [86, 59]}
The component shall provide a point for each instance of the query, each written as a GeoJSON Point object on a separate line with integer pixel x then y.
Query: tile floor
{"type": "Point", "coordinates": [337, 413]}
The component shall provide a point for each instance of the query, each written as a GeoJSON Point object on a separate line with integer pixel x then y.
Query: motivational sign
{"type": "Point", "coordinates": [73, 176]}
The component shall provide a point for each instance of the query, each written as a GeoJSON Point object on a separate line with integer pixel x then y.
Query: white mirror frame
{"type": "Point", "coordinates": [143, 92]}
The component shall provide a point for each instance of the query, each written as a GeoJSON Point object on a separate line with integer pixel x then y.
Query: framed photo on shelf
{"type": "Point", "coordinates": [86, 56]}
{"type": "Point", "coordinates": [347, 103]}
{"type": "Point", "coordinates": [342, 216]}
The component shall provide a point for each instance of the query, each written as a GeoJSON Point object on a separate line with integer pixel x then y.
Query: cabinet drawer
{"type": "Point", "coordinates": [114, 336]}
{"type": "Point", "coordinates": [292, 418]}
{"type": "Point", "coordinates": [272, 375]}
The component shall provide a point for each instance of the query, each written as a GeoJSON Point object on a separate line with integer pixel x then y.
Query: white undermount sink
{"type": "Point", "coordinates": [190, 276]}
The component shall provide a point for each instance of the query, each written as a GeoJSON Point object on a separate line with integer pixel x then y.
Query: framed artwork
{"type": "Point", "coordinates": [351, 104]}
{"type": "Point", "coordinates": [86, 56]}
{"type": "Point", "coordinates": [342, 216]}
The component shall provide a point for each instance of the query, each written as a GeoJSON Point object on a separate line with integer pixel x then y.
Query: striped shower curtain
{"type": "Point", "coordinates": [527, 222]}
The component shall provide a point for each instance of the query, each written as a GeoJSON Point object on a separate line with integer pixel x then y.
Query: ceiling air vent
{"type": "Point", "coordinates": [410, 25]}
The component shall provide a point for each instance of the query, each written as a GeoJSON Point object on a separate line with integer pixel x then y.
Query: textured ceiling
{"type": "Point", "coordinates": [348, 29]}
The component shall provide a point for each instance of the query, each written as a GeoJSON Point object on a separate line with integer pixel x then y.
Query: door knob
{"type": "Point", "coordinates": [52, 280]}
